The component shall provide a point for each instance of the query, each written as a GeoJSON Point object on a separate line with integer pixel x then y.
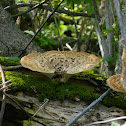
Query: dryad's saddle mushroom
{"type": "Point", "coordinates": [116, 82]}
{"type": "Point", "coordinates": [60, 62]}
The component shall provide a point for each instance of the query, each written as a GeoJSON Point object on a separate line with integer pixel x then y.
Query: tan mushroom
{"type": "Point", "coordinates": [64, 63]}
{"type": "Point", "coordinates": [115, 82]}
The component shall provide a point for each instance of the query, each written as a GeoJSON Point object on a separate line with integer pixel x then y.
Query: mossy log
{"type": "Point", "coordinates": [42, 88]}
{"type": "Point", "coordinates": [38, 85]}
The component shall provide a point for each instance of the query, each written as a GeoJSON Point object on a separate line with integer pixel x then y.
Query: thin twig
{"type": "Point", "coordinates": [77, 35]}
{"type": "Point", "coordinates": [45, 102]}
{"type": "Point", "coordinates": [82, 27]}
{"type": "Point", "coordinates": [36, 6]}
{"type": "Point", "coordinates": [86, 109]}
{"type": "Point", "coordinates": [106, 121]}
{"type": "Point", "coordinates": [59, 38]}
{"type": "Point", "coordinates": [13, 67]}
{"type": "Point", "coordinates": [6, 87]}
{"type": "Point", "coordinates": [89, 37]}
{"type": "Point", "coordinates": [97, 16]}
{"type": "Point", "coordinates": [5, 82]}
{"type": "Point", "coordinates": [15, 6]}
{"type": "Point", "coordinates": [49, 9]}
{"type": "Point", "coordinates": [101, 45]}
{"type": "Point", "coordinates": [101, 39]}
{"type": "Point", "coordinates": [40, 29]}
{"type": "Point", "coordinates": [69, 47]}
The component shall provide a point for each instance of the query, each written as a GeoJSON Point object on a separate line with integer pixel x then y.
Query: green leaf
{"type": "Point", "coordinates": [89, 6]}
{"type": "Point", "coordinates": [25, 1]}
{"type": "Point", "coordinates": [109, 59]}
{"type": "Point", "coordinates": [29, 32]}
{"type": "Point", "coordinates": [13, 58]}
{"type": "Point", "coordinates": [69, 2]}
{"type": "Point", "coordinates": [88, 1]}
{"type": "Point", "coordinates": [108, 30]}
{"type": "Point", "coordinates": [52, 42]}
{"type": "Point", "coordinates": [115, 124]}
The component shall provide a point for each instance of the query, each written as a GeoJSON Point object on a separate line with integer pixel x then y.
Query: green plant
{"type": "Point", "coordinates": [43, 40]}
{"type": "Point", "coordinates": [115, 124]}
{"type": "Point", "coordinates": [9, 61]}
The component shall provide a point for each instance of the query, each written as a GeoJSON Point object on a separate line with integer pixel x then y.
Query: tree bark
{"type": "Point", "coordinates": [103, 44]}
{"type": "Point", "coordinates": [118, 68]}
{"type": "Point", "coordinates": [109, 21]}
{"type": "Point", "coordinates": [12, 39]}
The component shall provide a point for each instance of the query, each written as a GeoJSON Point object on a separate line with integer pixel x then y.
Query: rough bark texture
{"type": "Point", "coordinates": [12, 39]}
{"type": "Point", "coordinates": [103, 44]}
{"type": "Point", "coordinates": [101, 39]}
{"type": "Point", "coordinates": [109, 39]}
{"type": "Point", "coordinates": [109, 22]}
{"type": "Point", "coordinates": [118, 68]}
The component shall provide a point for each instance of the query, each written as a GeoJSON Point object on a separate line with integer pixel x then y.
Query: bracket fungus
{"type": "Point", "coordinates": [64, 63]}
{"type": "Point", "coordinates": [117, 82]}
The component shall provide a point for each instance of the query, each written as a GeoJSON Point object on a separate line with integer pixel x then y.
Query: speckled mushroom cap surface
{"type": "Point", "coordinates": [60, 62]}
{"type": "Point", "coordinates": [115, 82]}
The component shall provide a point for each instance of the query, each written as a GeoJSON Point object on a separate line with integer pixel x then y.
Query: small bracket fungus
{"type": "Point", "coordinates": [116, 83]}
{"type": "Point", "coordinates": [64, 63]}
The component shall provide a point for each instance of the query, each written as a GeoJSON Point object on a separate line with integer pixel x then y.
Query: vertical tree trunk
{"type": "Point", "coordinates": [105, 45]}
{"type": "Point", "coordinates": [109, 21]}
{"type": "Point", "coordinates": [118, 68]}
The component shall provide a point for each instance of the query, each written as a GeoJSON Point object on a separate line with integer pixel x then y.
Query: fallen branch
{"type": "Point", "coordinates": [86, 109]}
{"type": "Point", "coordinates": [77, 35]}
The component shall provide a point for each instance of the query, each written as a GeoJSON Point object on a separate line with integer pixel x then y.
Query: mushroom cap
{"type": "Point", "coordinates": [115, 82]}
{"type": "Point", "coordinates": [60, 62]}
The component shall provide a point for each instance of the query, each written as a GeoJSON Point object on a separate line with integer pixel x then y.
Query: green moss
{"type": "Point", "coordinates": [26, 83]}
{"type": "Point", "coordinates": [7, 62]}
{"type": "Point", "coordinates": [91, 74]}
{"type": "Point", "coordinates": [53, 90]}
{"type": "Point", "coordinates": [113, 101]}
{"type": "Point", "coordinates": [29, 123]}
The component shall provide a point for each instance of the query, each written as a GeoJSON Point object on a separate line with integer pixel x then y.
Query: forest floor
{"type": "Point", "coordinates": [60, 112]}
{"type": "Point", "coordinates": [56, 113]}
